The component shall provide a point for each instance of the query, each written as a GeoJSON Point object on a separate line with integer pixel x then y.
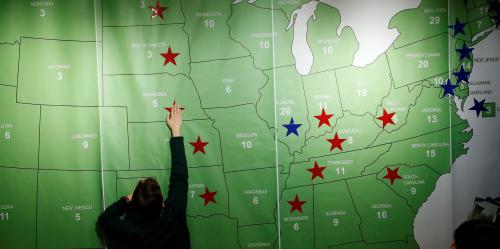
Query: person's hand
{"type": "Point", "coordinates": [128, 198]}
{"type": "Point", "coordinates": [174, 120]}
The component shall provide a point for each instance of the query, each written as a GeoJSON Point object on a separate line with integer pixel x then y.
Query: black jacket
{"type": "Point", "coordinates": [170, 229]}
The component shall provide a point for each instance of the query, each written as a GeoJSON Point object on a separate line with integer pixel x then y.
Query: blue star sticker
{"type": "Point", "coordinates": [462, 75]}
{"type": "Point", "coordinates": [292, 128]}
{"type": "Point", "coordinates": [448, 88]}
{"type": "Point", "coordinates": [458, 28]}
{"type": "Point", "coordinates": [478, 106]}
{"type": "Point", "coordinates": [465, 52]}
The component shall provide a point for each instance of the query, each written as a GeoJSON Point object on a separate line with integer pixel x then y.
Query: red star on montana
{"type": "Point", "coordinates": [392, 175]}
{"type": "Point", "coordinates": [157, 10]}
{"type": "Point", "coordinates": [169, 109]}
{"type": "Point", "coordinates": [169, 57]}
{"type": "Point", "coordinates": [386, 118]}
{"type": "Point", "coordinates": [208, 196]}
{"type": "Point", "coordinates": [296, 204]}
{"type": "Point", "coordinates": [316, 171]}
{"type": "Point", "coordinates": [324, 118]}
{"type": "Point", "coordinates": [336, 142]}
{"type": "Point", "coordinates": [198, 145]}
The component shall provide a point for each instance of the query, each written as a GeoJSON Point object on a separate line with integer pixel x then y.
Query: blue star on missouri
{"type": "Point", "coordinates": [458, 27]}
{"type": "Point", "coordinates": [292, 128]}
{"type": "Point", "coordinates": [448, 88]}
{"type": "Point", "coordinates": [462, 75]}
{"type": "Point", "coordinates": [465, 52]}
{"type": "Point", "coordinates": [478, 106]}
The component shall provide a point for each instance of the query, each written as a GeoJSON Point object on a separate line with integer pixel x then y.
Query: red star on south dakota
{"type": "Point", "coordinates": [169, 57]}
{"type": "Point", "coordinates": [199, 146]}
{"type": "Point", "coordinates": [386, 118]}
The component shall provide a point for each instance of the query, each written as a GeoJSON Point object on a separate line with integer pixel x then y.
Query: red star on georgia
{"type": "Point", "coordinates": [324, 118]}
{"type": "Point", "coordinates": [169, 57]}
{"type": "Point", "coordinates": [157, 10]}
{"type": "Point", "coordinates": [198, 145]}
{"type": "Point", "coordinates": [392, 175]}
{"type": "Point", "coordinates": [208, 196]}
{"type": "Point", "coordinates": [336, 142]}
{"type": "Point", "coordinates": [169, 109]}
{"type": "Point", "coordinates": [316, 171]}
{"type": "Point", "coordinates": [386, 118]}
{"type": "Point", "coordinates": [296, 204]}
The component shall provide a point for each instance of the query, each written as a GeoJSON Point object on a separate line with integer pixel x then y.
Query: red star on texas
{"type": "Point", "coordinates": [169, 109]}
{"type": "Point", "coordinates": [336, 142]}
{"type": "Point", "coordinates": [296, 204]}
{"type": "Point", "coordinates": [157, 10]}
{"type": "Point", "coordinates": [324, 118]}
{"type": "Point", "coordinates": [198, 145]}
{"type": "Point", "coordinates": [392, 175]}
{"type": "Point", "coordinates": [386, 118]}
{"type": "Point", "coordinates": [208, 196]}
{"type": "Point", "coordinates": [169, 57]}
{"type": "Point", "coordinates": [316, 171]}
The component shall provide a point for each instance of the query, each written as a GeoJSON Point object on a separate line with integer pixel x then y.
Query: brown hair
{"type": "Point", "coordinates": [147, 198]}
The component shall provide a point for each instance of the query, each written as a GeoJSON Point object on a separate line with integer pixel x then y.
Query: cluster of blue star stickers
{"type": "Point", "coordinates": [292, 128]}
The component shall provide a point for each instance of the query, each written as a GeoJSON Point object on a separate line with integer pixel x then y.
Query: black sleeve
{"type": "Point", "coordinates": [177, 191]}
{"type": "Point", "coordinates": [115, 227]}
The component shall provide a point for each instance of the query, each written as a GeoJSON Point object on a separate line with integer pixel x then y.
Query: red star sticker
{"type": "Point", "coordinates": [336, 142]}
{"type": "Point", "coordinates": [169, 57]}
{"type": "Point", "coordinates": [208, 196]}
{"type": "Point", "coordinates": [157, 10]}
{"type": "Point", "coordinates": [296, 204]}
{"type": "Point", "coordinates": [386, 118]}
{"type": "Point", "coordinates": [324, 118]}
{"type": "Point", "coordinates": [169, 109]}
{"type": "Point", "coordinates": [198, 145]}
{"type": "Point", "coordinates": [392, 175]}
{"type": "Point", "coordinates": [316, 171]}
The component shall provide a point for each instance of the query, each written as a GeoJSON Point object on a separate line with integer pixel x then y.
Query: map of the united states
{"type": "Point", "coordinates": [307, 124]}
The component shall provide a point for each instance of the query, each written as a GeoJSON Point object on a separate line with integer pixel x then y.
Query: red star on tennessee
{"type": "Point", "coordinates": [324, 118]}
{"type": "Point", "coordinates": [336, 142]}
{"type": "Point", "coordinates": [169, 57]}
{"type": "Point", "coordinates": [198, 145]}
{"type": "Point", "coordinates": [208, 196]}
{"type": "Point", "coordinates": [316, 171]}
{"type": "Point", "coordinates": [169, 109]}
{"type": "Point", "coordinates": [157, 10]}
{"type": "Point", "coordinates": [386, 118]}
{"type": "Point", "coordinates": [296, 204]}
{"type": "Point", "coordinates": [392, 175]}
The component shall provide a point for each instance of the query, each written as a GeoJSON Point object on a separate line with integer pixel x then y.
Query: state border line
{"type": "Point", "coordinates": [104, 170]}
{"type": "Point", "coordinates": [395, 141]}
{"type": "Point", "coordinates": [142, 25]}
{"type": "Point", "coordinates": [222, 59]}
{"type": "Point", "coordinates": [7, 85]}
{"type": "Point", "coordinates": [55, 39]}
{"type": "Point", "coordinates": [421, 40]}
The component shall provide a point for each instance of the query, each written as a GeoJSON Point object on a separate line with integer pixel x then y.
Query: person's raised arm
{"type": "Point", "coordinates": [177, 192]}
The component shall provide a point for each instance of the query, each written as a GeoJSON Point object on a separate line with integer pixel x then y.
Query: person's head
{"type": "Point", "coordinates": [147, 198]}
{"type": "Point", "coordinates": [476, 234]}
